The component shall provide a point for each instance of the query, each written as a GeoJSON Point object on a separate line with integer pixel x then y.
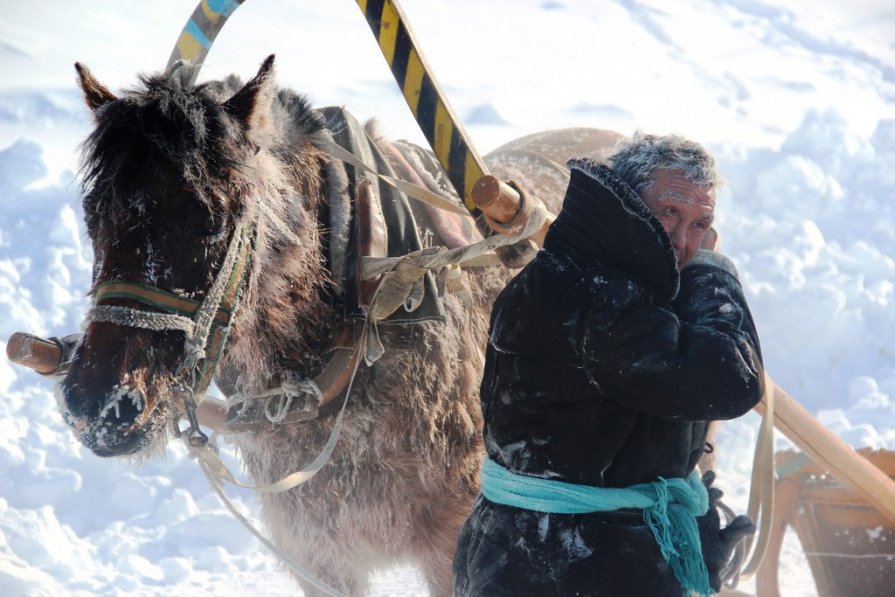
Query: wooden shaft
{"type": "Point", "coordinates": [831, 453]}
{"type": "Point", "coordinates": [503, 208]}
{"type": "Point", "coordinates": [34, 352]}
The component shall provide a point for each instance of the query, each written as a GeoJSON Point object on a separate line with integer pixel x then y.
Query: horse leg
{"type": "Point", "coordinates": [314, 550]}
{"type": "Point", "coordinates": [335, 571]}
{"type": "Point", "coordinates": [341, 584]}
{"type": "Point", "coordinates": [435, 544]}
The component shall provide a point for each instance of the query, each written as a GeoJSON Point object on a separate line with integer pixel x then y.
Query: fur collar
{"type": "Point", "coordinates": [606, 222]}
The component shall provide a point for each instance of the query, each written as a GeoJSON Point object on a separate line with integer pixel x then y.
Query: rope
{"type": "Point", "coordinates": [402, 274]}
{"type": "Point", "coordinates": [288, 391]}
{"type": "Point", "coordinates": [430, 259]}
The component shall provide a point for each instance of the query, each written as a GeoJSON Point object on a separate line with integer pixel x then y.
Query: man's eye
{"type": "Point", "coordinates": [701, 226]}
{"type": "Point", "coordinates": [670, 211]}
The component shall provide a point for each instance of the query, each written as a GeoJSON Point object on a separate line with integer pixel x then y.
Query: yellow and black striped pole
{"type": "Point", "coordinates": [200, 30]}
{"type": "Point", "coordinates": [439, 124]}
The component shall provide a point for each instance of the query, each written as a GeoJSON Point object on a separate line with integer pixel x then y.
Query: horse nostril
{"type": "Point", "coordinates": [123, 403]}
{"type": "Point", "coordinates": [107, 445]}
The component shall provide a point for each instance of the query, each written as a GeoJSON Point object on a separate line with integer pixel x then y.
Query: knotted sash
{"type": "Point", "coordinates": [670, 508]}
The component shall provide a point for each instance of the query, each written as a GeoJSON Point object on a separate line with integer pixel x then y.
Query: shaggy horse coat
{"type": "Point", "coordinates": [168, 171]}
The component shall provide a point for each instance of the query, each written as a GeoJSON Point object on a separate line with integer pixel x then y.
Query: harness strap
{"type": "Point", "coordinates": [152, 297]}
{"type": "Point", "coordinates": [135, 318]}
{"type": "Point", "coordinates": [215, 471]}
{"type": "Point", "coordinates": [670, 507]}
{"type": "Point", "coordinates": [284, 558]}
{"type": "Point", "coordinates": [225, 291]}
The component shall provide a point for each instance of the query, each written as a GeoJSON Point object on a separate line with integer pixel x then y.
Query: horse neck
{"type": "Point", "coordinates": [288, 311]}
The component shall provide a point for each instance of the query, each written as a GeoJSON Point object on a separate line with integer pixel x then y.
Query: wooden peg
{"type": "Point", "coordinates": [40, 354]}
{"type": "Point", "coordinates": [506, 211]}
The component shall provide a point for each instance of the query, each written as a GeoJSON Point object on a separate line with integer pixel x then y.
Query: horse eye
{"type": "Point", "coordinates": [216, 230]}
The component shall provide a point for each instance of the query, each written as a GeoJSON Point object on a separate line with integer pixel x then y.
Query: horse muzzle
{"type": "Point", "coordinates": [115, 425]}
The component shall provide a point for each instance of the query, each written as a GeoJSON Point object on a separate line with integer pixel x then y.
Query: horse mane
{"type": "Point", "coordinates": [166, 125]}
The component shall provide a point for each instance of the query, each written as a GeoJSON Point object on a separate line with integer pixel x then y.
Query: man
{"type": "Point", "coordinates": [608, 355]}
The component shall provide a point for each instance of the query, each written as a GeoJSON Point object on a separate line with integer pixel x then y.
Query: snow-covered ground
{"type": "Point", "coordinates": [797, 99]}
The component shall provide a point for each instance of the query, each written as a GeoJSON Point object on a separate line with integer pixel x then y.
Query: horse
{"type": "Point", "coordinates": [219, 206]}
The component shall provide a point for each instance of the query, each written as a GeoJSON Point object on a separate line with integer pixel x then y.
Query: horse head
{"type": "Point", "coordinates": [173, 180]}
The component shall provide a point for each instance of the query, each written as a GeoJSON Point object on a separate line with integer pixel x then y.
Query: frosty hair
{"type": "Point", "coordinates": [634, 161]}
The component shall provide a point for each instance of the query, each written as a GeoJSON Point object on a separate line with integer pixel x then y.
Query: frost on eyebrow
{"type": "Point", "coordinates": [671, 195]}
{"type": "Point", "coordinates": [675, 196]}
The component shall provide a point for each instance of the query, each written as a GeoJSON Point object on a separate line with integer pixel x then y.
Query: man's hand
{"type": "Point", "coordinates": [711, 241]}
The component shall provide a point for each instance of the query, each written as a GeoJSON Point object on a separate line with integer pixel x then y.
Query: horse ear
{"type": "Point", "coordinates": [95, 93]}
{"type": "Point", "coordinates": [249, 104]}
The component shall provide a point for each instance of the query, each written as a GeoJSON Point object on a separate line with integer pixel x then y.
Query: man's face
{"type": "Point", "coordinates": [685, 210]}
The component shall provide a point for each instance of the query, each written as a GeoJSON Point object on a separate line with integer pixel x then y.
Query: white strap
{"type": "Point", "coordinates": [761, 493]}
{"type": "Point", "coordinates": [215, 470]}
{"type": "Point", "coordinates": [279, 224]}
{"type": "Point", "coordinates": [402, 274]}
{"type": "Point", "coordinates": [208, 457]}
{"type": "Point", "coordinates": [411, 190]}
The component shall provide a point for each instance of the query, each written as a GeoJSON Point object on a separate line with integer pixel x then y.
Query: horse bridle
{"type": "Point", "coordinates": [206, 323]}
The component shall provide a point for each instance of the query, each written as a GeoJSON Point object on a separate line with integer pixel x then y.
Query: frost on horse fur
{"type": "Point", "coordinates": [169, 171]}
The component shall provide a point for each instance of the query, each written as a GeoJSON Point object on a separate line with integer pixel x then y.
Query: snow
{"type": "Point", "coordinates": [796, 99]}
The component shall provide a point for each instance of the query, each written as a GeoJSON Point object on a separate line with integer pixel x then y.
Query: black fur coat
{"type": "Point", "coordinates": [604, 367]}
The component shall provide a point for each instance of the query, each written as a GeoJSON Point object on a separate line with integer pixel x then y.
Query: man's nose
{"type": "Point", "coordinates": [678, 236]}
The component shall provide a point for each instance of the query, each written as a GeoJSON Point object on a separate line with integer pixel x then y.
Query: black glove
{"type": "Point", "coordinates": [718, 545]}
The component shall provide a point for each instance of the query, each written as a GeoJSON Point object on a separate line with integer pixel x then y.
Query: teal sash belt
{"type": "Point", "coordinates": [670, 508]}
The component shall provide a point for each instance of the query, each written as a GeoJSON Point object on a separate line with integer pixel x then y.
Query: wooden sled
{"type": "Point", "coordinates": [849, 544]}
